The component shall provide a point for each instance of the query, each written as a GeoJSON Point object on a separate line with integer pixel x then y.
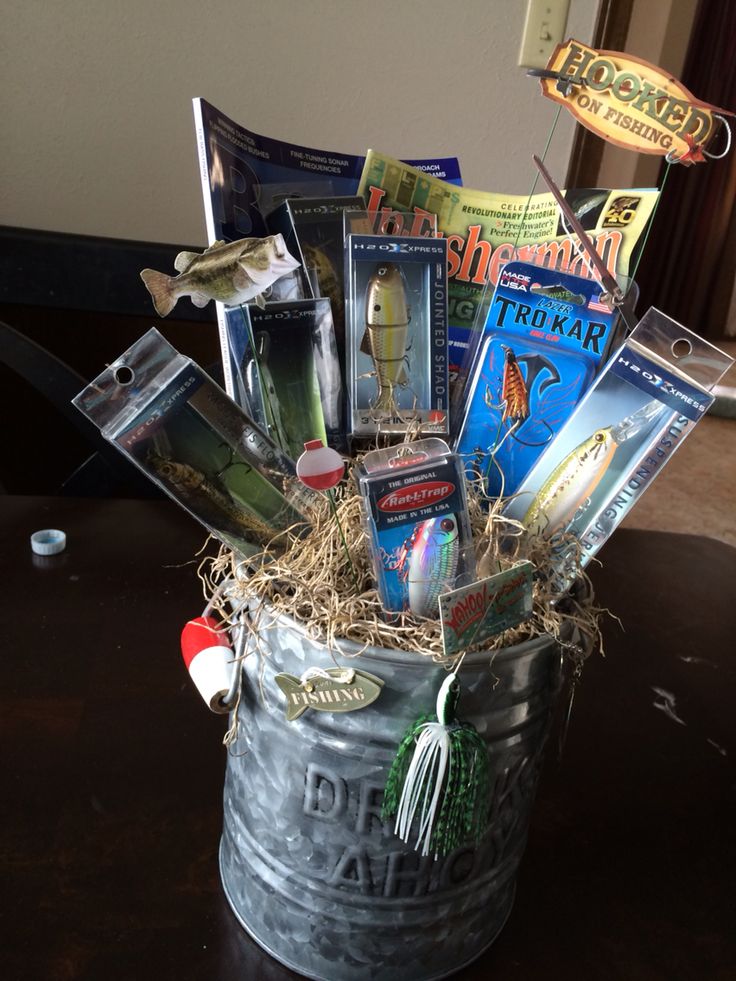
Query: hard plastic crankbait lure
{"type": "Point", "coordinates": [418, 525]}
{"type": "Point", "coordinates": [387, 332]}
{"type": "Point", "coordinates": [271, 405]}
{"type": "Point", "coordinates": [328, 279]}
{"type": "Point", "coordinates": [428, 562]}
{"type": "Point", "coordinates": [591, 475]}
{"type": "Point", "coordinates": [571, 484]}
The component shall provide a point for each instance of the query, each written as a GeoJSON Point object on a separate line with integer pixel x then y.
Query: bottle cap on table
{"type": "Point", "coordinates": [49, 541]}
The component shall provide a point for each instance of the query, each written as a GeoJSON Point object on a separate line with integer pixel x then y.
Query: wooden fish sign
{"type": "Point", "coordinates": [331, 690]}
{"type": "Point", "coordinates": [632, 103]}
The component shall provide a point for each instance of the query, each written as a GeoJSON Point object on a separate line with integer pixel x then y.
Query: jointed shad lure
{"type": "Point", "coordinates": [387, 333]}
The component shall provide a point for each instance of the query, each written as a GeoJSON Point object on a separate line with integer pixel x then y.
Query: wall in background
{"type": "Point", "coordinates": [99, 135]}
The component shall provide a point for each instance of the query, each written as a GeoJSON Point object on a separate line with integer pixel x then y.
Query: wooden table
{"type": "Point", "coordinates": [112, 766]}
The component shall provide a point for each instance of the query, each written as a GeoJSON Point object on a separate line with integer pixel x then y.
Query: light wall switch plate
{"type": "Point", "coordinates": [544, 29]}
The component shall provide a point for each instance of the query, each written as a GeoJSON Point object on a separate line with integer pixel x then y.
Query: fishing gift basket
{"type": "Point", "coordinates": [313, 860]}
{"type": "Point", "coordinates": [390, 643]}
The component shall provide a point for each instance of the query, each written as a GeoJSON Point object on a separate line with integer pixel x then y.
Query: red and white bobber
{"type": "Point", "coordinates": [209, 659]}
{"type": "Point", "coordinates": [320, 467]}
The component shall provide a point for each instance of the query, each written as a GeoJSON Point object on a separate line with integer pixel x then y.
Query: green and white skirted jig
{"type": "Point", "coordinates": [440, 778]}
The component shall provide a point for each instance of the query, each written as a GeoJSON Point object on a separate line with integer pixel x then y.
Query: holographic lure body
{"type": "Point", "coordinates": [430, 563]}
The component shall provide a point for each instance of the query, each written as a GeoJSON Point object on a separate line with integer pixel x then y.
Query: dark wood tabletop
{"type": "Point", "coordinates": [112, 768]}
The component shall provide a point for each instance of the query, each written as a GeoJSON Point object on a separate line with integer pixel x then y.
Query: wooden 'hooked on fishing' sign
{"type": "Point", "coordinates": [633, 103]}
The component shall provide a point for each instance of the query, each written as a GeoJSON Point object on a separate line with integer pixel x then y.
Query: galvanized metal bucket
{"type": "Point", "coordinates": [308, 867]}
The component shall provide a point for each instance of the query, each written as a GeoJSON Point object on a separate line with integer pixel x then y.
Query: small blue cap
{"type": "Point", "coordinates": [48, 542]}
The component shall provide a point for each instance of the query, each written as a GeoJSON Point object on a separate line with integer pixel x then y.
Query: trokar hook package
{"type": "Point", "coordinates": [546, 334]}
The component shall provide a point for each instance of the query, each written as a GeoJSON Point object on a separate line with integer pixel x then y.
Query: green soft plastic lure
{"type": "Point", "coordinates": [439, 779]}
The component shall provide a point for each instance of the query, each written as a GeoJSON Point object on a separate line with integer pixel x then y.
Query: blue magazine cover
{"type": "Point", "coordinates": [245, 176]}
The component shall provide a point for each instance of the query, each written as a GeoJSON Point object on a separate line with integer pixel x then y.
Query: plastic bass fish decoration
{"type": "Point", "coordinates": [231, 272]}
{"type": "Point", "coordinates": [387, 333]}
{"type": "Point", "coordinates": [428, 563]}
{"type": "Point", "coordinates": [438, 784]}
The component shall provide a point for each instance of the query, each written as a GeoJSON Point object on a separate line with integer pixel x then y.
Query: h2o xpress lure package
{"type": "Point", "coordinates": [163, 412]}
{"type": "Point", "coordinates": [545, 336]}
{"type": "Point", "coordinates": [286, 371]}
{"type": "Point", "coordinates": [396, 301]}
{"type": "Point", "coordinates": [313, 231]}
{"type": "Point", "coordinates": [418, 527]}
{"type": "Point", "coordinates": [637, 413]}
{"type": "Point", "coordinates": [391, 221]}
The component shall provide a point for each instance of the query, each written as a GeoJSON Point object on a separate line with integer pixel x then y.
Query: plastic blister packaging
{"type": "Point", "coordinates": [313, 231]}
{"type": "Point", "coordinates": [546, 335]}
{"type": "Point", "coordinates": [638, 412]}
{"type": "Point", "coordinates": [417, 521]}
{"type": "Point", "coordinates": [396, 289]}
{"type": "Point", "coordinates": [166, 415]}
{"type": "Point", "coordinates": [286, 371]}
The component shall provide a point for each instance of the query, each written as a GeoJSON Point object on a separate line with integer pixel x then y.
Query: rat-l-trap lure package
{"type": "Point", "coordinates": [419, 531]}
{"type": "Point", "coordinates": [160, 409]}
{"type": "Point", "coordinates": [396, 298]}
{"type": "Point", "coordinates": [637, 413]}
{"type": "Point", "coordinates": [286, 371]}
{"type": "Point", "coordinates": [545, 336]}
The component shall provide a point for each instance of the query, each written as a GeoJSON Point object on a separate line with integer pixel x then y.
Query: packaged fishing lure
{"type": "Point", "coordinates": [163, 412]}
{"type": "Point", "coordinates": [396, 294]}
{"type": "Point", "coordinates": [286, 371]}
{"type": "Point", "coordinates": [638, 412]}
{"type": "Point", "coordinates": [417, 522]}
{"type": "Point", "coordinates": [545, 336]}
{"type": "Point", "coordinates": [313, 231]}
{"type": "Point", "coordinates": [391, 221]}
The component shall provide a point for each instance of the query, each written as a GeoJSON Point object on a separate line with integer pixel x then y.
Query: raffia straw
{"type": "Point", "coordinates": [311, 582]}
